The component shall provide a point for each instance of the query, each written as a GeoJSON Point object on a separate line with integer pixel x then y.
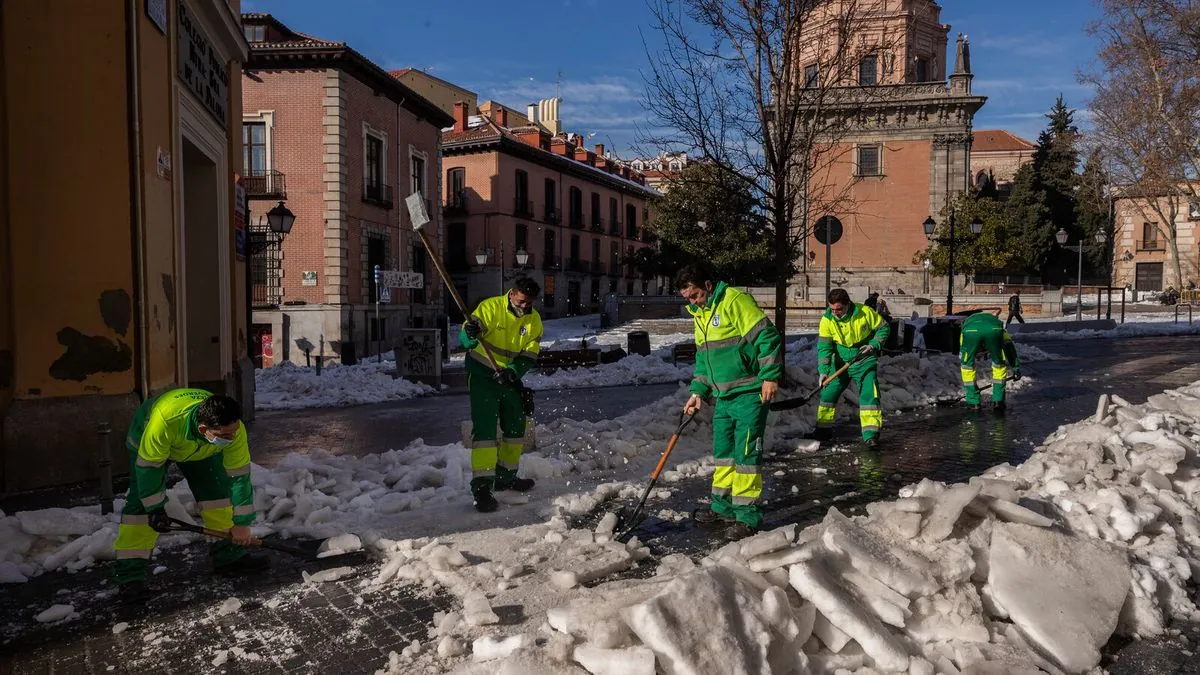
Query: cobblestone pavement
{"type": "Point", "coordinates": [285, 626]}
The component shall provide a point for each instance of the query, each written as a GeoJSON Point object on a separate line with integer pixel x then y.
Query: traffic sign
{"type": "Point", "coordinates": [828, 230]}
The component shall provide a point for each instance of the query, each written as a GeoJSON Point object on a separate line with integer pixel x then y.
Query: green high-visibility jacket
{"type": "Point", "coordinates": [514, 341]}
{"type": "Point", "coordinates": [843, 337]}
{"type": "Point", "coordinates": [984, 323]}
{"type": "Point", "coordinates": [165, 429]}
{"type": "Point", "coordinates": [737, 347]}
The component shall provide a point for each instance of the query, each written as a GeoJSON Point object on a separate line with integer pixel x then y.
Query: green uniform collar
{"type": "Point", "coordinates": [192, 431]}
{"type": "Point", "coordinates": [714, 299]}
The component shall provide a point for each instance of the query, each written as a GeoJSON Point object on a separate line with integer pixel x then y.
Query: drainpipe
{"type": "Point", "coordinates": [133, 75]}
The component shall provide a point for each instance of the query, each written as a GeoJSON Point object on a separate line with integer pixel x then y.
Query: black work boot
{"type": "Point", "coordinates": [133, 593]}
{"type": "Point", "coordinates": [739, 530]}
{"type": "Point", "coordinates": [481, 490]}
{"type": "Point", "coordinates": [999, 407]}
{"type": "Point", "coordinates": [251, 563]}
{"type": "Point", "coordinates": [872, 443]}
{"type": "Point", "coordinates": [506, 479]}
{"type": "Point", "coordinates": [704, 515]}
{"type": "Point", "coordinates": [822, 434]}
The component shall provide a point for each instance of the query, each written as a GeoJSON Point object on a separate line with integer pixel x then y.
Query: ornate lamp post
{"type": "Point", "coordinates": [930, 226]}
{"type": "Point", "coordinates": [1061, 236]}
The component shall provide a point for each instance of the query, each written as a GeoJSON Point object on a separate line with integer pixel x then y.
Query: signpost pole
{"type": "Point", "coordinates": [378, 326]}
{"type": "Point", "coordinates": [827, 266]}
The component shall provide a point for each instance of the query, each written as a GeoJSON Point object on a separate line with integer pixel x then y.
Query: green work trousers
{"type": "Point", "coordinates": [209, 484]}
{"type": "Point", "coordinates": [494, 465]}
{"type": "Point", "coordinates": [738, 425]}
{"type": "Point", "coordinates": [972, 343]}
{"type": "Point", "coordinates": [870, 417]}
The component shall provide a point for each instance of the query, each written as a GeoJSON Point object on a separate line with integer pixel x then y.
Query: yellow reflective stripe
{"type": "Point", "coordinates": [243, 510]}
{"type": "Point", "coordinates": [722, 478]}
{"type": "Point", "coordinates": [143, 462]}
{"type": "Point", "coordinates": [870, 420]}
{"type": "Point", "coordinates": [240, 471]}
{"type": "Point", "coordinates": [968, 375]}
{"type": "Point", "coordinates": [484, 459]}
{"type": "Point", "coordinates": [825, 415]}
{"type": "Point", "coordinates": [154, 499]}
{"type": "Point", "coordinates": [127, 553]}
{"type": "Point", "coordinates": [219, 519]}
{"type": "Point", "coordinates": [210, 504]}
{"type": "Point", "coordinates": [999, 372]}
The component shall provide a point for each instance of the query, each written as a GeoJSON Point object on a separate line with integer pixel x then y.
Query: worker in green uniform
{"type": "Point", "coordinates": [855, 334]}
{"type": "Point", "coordinates": [984, 332]}
{"type": "Point", "coordinates": [203, 434]}
{"type": "Point", "coordinates": [510, 328]}
{"type": "Point", "coordinates": [739, 359]}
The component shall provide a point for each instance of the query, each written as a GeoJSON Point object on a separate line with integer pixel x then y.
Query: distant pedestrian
{"type": "Point", "coordinates": [883, 310]}
{"type": "Point", "coordinates": [1014, 309]}
{"type": "Point", "coordinates": [872, 300]}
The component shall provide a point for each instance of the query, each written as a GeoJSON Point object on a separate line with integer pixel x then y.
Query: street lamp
{"type": "Point", "coordinates": [280, 220]}
{"type": "Point", "coordinates": [1061, 236]}
{"type": "Point", "coordinates": [930, 226]}
{"type": "Point", "coordinates": [522, 257]}
{"type": "Point", "coordinates": [1101, 238]}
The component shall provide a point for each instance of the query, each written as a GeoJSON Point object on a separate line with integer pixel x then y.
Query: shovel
{"type": "Point", "coordinates": [628, 521]}
{"type": "Point", "coordinates": [793, 403]}
{"type": "Point", "coordinates": [303, 550]}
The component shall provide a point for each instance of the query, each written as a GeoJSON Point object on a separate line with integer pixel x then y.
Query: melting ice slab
{"type": "Point", "coordinates": [1046, 581]}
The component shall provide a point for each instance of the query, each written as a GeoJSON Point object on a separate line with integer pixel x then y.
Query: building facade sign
{"type": "Point", "coordinates": [201, 68]}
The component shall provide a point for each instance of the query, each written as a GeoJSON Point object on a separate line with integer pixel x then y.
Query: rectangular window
{"type": "Point", "coordinates": [596, 251]}
{"type": "Point", "coordinates": [522, 237]}
{"type": "Point", "coordinates": [614, 219]}
{"type": "Point", "coordinates": [376, 255]}
{"type": "Point", "coordinates": [418, 175]}
{"type": "Point", "coordinates": [1149, 232]}
{"type": "Point", "coordinates": [811, 75]}
{"type": "Point", "coordinates": [374, 162]}
{"type": "Point", "coordinates": [522, 206]}
{"type": "Point", "coordinates": [596, 217]}
{"type": "Point", "coordinates": [921, 70]}
{"type": "Point", "coordinates": [868, 161]}
{"type": "Point", "coordinates": [551, 198]}
{"type": "Point", "coordinates": [868, 74]}
{"type": "Point", "coordinates": [255, 33]}
{"type": "Point", "coordinates": [630, 221]}
{"type": "Point", "coordinates": [614, 259]}
{"type": "Point", "coordinates": [1194, 209]}
{"type": "Point", "coordinates": [576, 207]}
{"type": "Point", "coordinates": [254, 148]}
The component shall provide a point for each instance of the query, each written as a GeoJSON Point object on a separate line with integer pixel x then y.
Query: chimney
{"type": "Point", "coordinates": [599, 149]}
{"type": "Point", "coordinates": [531, 111]}
{"type": "Point", "coordinates": [460, 116]}
{"type": "Point", "coordinates": [502, 116]}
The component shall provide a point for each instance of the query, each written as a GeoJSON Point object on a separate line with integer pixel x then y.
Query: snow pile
{"type": "Point", "coordinates": [633, 369]}
{"type": "Point", "coordinates": [288, 386]}
{"type": "Point", "coordinates": [1146, 328]}
{"type": "Point", "coordinates": [34, 541]}
{"type": "Point", "coordinates": [1019, 570]}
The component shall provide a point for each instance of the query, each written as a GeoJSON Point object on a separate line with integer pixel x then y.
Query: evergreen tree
{"type": "Point", "coordinates": [1092, 214]}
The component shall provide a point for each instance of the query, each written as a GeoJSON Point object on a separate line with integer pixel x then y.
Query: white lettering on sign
{"type": "Point", "coordinates": [398, 279]}
{"type": "Point", "coordinates": [201, 68]}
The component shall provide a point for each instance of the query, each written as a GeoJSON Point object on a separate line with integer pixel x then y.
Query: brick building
{"type": "Point", "coordinates": [661, 169]}
{"type": "Point", "coordinates": [514, 193]}
{"type": "Point", "coordinates": [1143, 256]}
{"type": "Point", "coordinates": [996, 155]}
{"type": "Point", "coordinates": [344, 143]}
{"type": "Point", "coordinates": [907, 148]}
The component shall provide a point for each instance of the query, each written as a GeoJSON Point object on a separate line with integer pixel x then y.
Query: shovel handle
{"type": "Point", "coordinates": [684, 420]}
{"type": "Point", "coordinates": [219, 534]}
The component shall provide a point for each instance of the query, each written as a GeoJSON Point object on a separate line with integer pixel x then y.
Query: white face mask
{"type": "Point", "coordinates": [519, 312]}
{"type": "Point", "coordinates": [217, 440]}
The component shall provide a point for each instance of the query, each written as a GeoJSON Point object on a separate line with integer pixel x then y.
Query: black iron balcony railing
{"type": "Point", "coordinates": [598, 268]}
{"type": "Point", "coordinates": [551, 215]}
{"type": "Point", "coordinates": [580, 266]}
{"type": "Point", "coordinates": [265, 185]}
{"type": "Point", "coordinates": [614, 228]}
{"type": "Point", "coordinates": [379, 194]}
{"type": "Point", "coordinates": [597, 224]}
{"type": "Point", "coordinates": [576, 220]}
{"type": "Point", "coordinates": [456, 203]}
{"type": "Point", "coordinates": [1151, 245]}
{"type": "Point", "coordinates": [551, 262]}
{"type": "Point", "coordinates": [523, 208]}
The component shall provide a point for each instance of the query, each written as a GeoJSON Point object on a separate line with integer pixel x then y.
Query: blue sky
{"type": "Point", "coordinates": [1024, 52]}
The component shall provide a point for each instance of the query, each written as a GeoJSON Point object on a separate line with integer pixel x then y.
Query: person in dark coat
{"type": "Point", "coordinates": [1014, 309]}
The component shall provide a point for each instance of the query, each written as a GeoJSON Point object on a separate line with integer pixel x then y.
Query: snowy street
{"type": "Point", "coordinates": [355, 623]}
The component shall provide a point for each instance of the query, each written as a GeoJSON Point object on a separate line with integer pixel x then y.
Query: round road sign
{"type": "Point", "coordinates": [828, 230]}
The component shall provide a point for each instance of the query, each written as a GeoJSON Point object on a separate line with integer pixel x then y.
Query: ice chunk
{"type": "Point", "coordinates": [1014, 513]}
{"type": "Point", "coordinates": [55, 613]}
{"type": "Point", "coordinates": [449, 647]}
{"type": "Point", "coordinates": [904, 570]}
{"type": "Point", "coordinates": [477, 611]}
{"type": "Point", "coordinates": [628, 661]}
{"type": "Point", "coordinates": [58, 522]}
{"type": "Point", "coordinates": [939, 522]}
{"type": "Point", "coordinates": [343, 543]}
{"type": "Point", "coordinates": [10, 573]}
{"type": "Point", "coordinates": [711, 621]}
{"type": "Point", "coordinates": [326, 575]}
{"type": "Point", "coordinates": [488, 648]}
{"type": "Point", "coordinates": [1063, 592]}
{"type": "Point", "coordinates": [768, 542]}
{"type": "Point", "coordinates": [230, 606]}
{"type": "Point", "coordinates": [815, 584]}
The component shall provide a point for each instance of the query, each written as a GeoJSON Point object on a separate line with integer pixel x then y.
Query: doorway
{"type": "Point", "coordinates": [203, 305]}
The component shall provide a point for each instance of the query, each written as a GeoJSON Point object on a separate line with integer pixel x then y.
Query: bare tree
{"type": "Point", "coordinates": [1146, 112]}
{"type": "Point", "coordinates": [765, 89]}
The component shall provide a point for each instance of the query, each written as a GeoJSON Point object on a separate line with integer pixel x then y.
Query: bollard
{"type": "Point", "coordinates": [105, 466]}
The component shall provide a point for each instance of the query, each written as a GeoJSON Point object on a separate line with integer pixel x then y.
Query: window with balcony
{"type": "Point", "coordinates": [596, 255]}
{"type": "Point", "coordinates": [375, 186]}
{"type": "Point", "coordinates": [1149, 240]}
{"type": "Point", "coordinates": [597, 219]}
{"type": "Point", "coordinates": [868, 71]}
{"type": "Point", "coordinates": [549, 251]}
{"type": "Point", "coordinates": [630, 221]}
{"type": "Point", "coordinates": [456, 247]}
{"type": "Point", "coordinates": [575, 261]}
{"type": "Point", "coordinates": [417, 174]}
{"type": "Point", "coordinates": [867, 161]}
{"type": "Point", "coordinates": [456, 189]}
{"type": "Point", "coordinates": [1194, 209]}
{"type": "Point", "coordinates": [614, 258]}
{"type": "Point", "coordinates": [614, 219]}
{"type": "Point", "coordinates": [254, 148]}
